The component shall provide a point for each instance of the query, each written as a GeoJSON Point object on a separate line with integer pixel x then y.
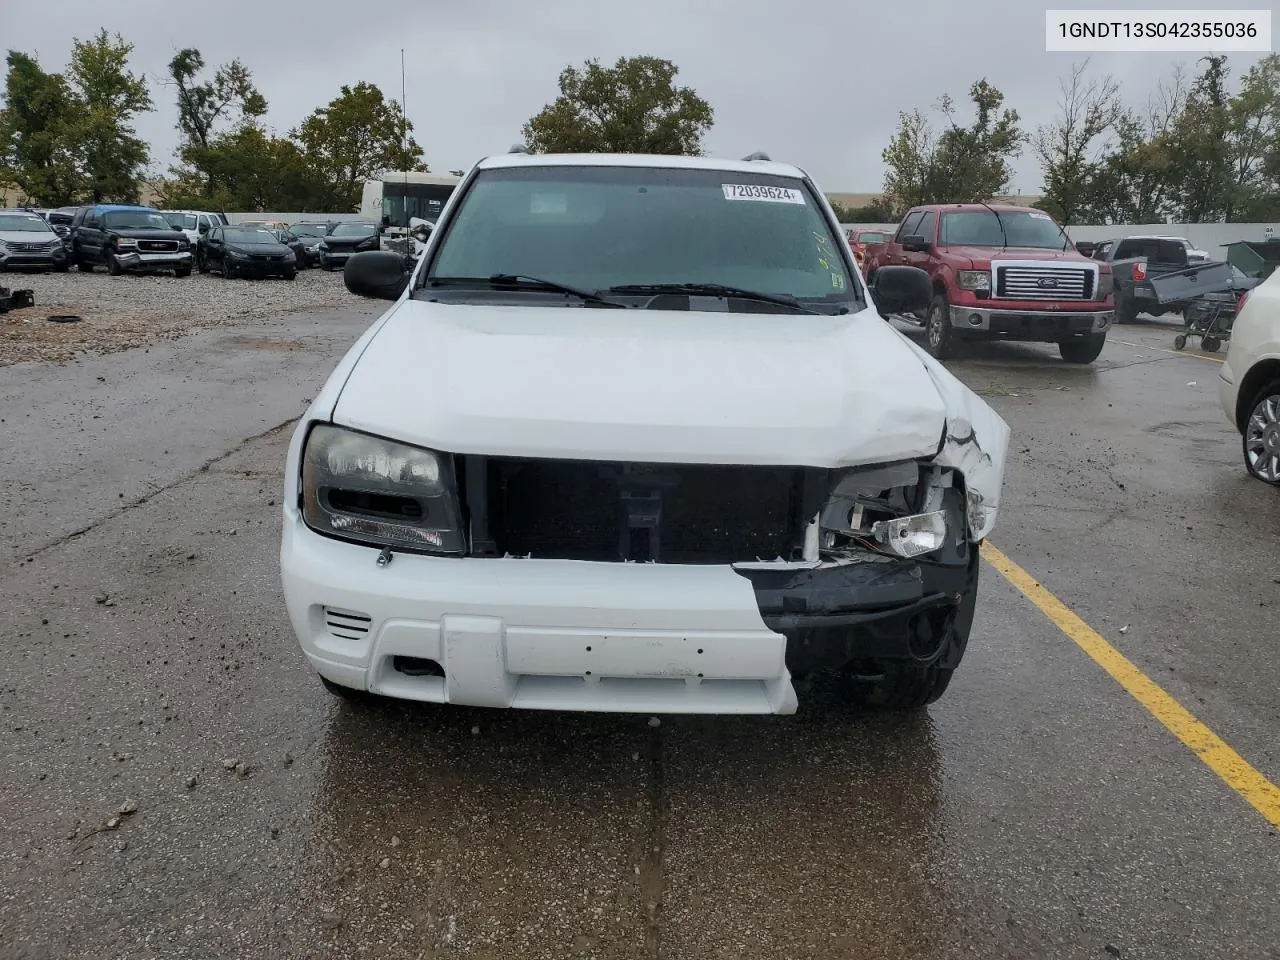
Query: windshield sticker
{"type": "Point", "coordinates": [548, 204]}
{"type": "Point", "coordinates": [752, 191]}
{"type": "Point", "coordinates": [1040, 216]}
{"type": "Point", "coordinates": [837, 280]}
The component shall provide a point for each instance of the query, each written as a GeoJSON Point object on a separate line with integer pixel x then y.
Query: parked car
{"type": "Point", "coordinates": [311, 232]}
{"type": "Point", "coordinates": [242, 250]}
{"type": "Point", "coordinates": [295, 243]}
{"type": "Point", "coordinates": [1002, 273]}
{"type": "Point", "coordinates": [1194, 253]}
{"type": "Point", "coordinates": [646, 525]}
{"type": "Point", "coordinates": [1134, 262]}
{"type": "Point", "coordinates": [860, 241]}
{"type": "Point", "coordinates": [27, 242]}
{"type": "Point", "coordinates": [60, 220]}
{"type": "Point", "coordinates": [1249, 379]}
{"type": "Point", "coordinates": [128, 238]}
{"type": "Point", "coordinates": [346, 238]}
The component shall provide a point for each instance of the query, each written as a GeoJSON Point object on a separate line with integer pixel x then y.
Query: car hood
{"type": "Point", "coordinates": [343, 242]}
{"type": "Point", "coordinates": [27, 236]}
{"type": "Point", "coordinates": [658, 386]}
{"type": "Point", "coordinates": [1072, 257]}
{"type": "Point", "coordinates": [275, 249]}
{"type": "Point", "coordinates": [146, 233]}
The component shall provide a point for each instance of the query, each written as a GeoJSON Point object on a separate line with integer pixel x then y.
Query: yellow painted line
{"type": "Point", "coordinates": [1234, 770]}
{"type": "Point", "coordinates": [1176, 353]}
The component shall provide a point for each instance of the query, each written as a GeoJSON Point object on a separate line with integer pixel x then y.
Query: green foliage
{"type": "Point", "coordinates": [1070, 148]}
{"type": "Point", "coordinates": [873, 213]}
{"type": "Point", "coordinates": [958, 164]}
{"type": "Point", "coordinates": [632, 107]}
{"type": "Point", "coordinates": [107, 96]}
{"type": "Point", "coordinates": [210, 113]}
{"type": "Point", "coordinates": [356, 136]}
{"type": "Point", "coordinates": [36, 152]}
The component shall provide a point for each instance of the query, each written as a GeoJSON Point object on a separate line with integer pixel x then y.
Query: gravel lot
{"type": "Point", "coordinates": [131, 311]}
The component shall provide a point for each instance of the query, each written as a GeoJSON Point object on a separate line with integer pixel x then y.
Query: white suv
{"type": "Point", "coordinates": [1249, 387]}
{"type": "Point", "coordinates": [635, 436]}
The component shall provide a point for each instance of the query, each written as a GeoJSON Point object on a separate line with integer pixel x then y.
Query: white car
{"type": "Point", "coordinates": [509, 494]}
{"type": "Point", "coordinates": [1249, 379]}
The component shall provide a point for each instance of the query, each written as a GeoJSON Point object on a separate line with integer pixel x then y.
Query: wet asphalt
{"type": "Point", "coordinates": [1036, 811]}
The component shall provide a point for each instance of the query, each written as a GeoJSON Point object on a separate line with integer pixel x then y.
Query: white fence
{"type": "Point", "coordinates": [1210, 237]}
{"type": "Point", "coordinates": [291, 217]}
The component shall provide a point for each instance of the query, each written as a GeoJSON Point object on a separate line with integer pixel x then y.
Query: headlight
{"type": "Point", "coordinates": [1106, 285]}
{"type": "Point", "coordinates": [4, 247]}
{"type": "Point", "coordinates": [322, 247]}
{"type": "Point", "coordinates": [125, 243]}
{"type": "Point", "coordinates": [907, 509]}
{"type": "Point", "coordinates": [974, 279]}
{"type": "Point", "coordinates": [237, 255]}
{"type": "Point", "coordinates": [379, 492]}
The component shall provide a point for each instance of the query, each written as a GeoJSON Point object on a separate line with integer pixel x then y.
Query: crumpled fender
{"type": "Point", "coordinates": [976, 445]}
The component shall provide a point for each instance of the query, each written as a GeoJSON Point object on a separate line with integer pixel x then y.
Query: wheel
{"type": "Point", "coordinates": [347, 693]}
{"type": "Point", "coordinates": [1126, 310]}
{"type": "Point", "coordinates": [1179, 341]}
{"type": "Point", "coordinates": [84, 266]}
{"type": "Point", "coordinates": [113, 268]}
{"type": "Point", "coordinates": [1262, 435]}
{"type": "Point", "coordinates": [941, 342]}
{"type": "Point", "coordinates": [62, 267]}
{"type": "Point", "coordinates": [291, 276]}
{"type": "Point", "coordinates": [202, 264]}
{"type": "Point", "coordinates": [1210, 344]}
{"type": "Point", "coordinates": [228, 271]}
{"type": "Point", "coordinates": [1083, 351]}
{"type": "Point", "coordinates": [182, 272]}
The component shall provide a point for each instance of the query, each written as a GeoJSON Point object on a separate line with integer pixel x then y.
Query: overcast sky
{"type": "Point", "coordinates": [817, 85]}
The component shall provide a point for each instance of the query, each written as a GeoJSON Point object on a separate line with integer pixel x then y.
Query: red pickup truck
{"type": "Point", "coordinates": [1002, 273]}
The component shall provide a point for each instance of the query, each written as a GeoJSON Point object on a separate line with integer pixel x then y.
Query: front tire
{"type": "Point", "coordinates": [1261, 440]}
{"type": "Point", "coordinates": [1083, 351]}
{"type": "Point", "coordinates": [938, 335]}
{"type": "Point", "coordinates": [228, 271]}
{"type": "Point", "coordinates": [182, 272]}
{"type": "Point", "coordinates": [113, 268]}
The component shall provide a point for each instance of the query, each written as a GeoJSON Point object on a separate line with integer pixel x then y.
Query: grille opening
{"type": "Point", "coordinates": [417, 667]}
{"type": "Point", "coordinates": [374, 504]}
{"type": "Point", "coordinates": [661, 513]}
{"type": "Point", "coordinates": [347, 625]}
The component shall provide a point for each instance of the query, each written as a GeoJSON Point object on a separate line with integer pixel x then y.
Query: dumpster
{"type": "Point", "coordinates": [1254, 258]}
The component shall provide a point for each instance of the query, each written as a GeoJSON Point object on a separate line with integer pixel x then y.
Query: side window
{"type": "Point", "coordinates": [908, 225]}
{"type": "Point", "coordinates": [215, 234]}
{"type": "Point", "coordinates": [1103, 251]}
{"type": "Point", "coordinates": [925, 227]}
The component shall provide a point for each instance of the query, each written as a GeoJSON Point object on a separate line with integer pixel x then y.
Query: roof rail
{"type": "Point", "coordinates": [518, 148]}
{"type": "Point", "coordinates": [758, 155]}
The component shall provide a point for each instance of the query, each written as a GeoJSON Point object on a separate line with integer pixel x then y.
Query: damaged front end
{"type": "Point", "coordinates": [868, 563]}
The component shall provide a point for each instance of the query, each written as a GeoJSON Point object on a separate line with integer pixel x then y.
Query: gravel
{"type": "Point", "coordinates": [131, 311]}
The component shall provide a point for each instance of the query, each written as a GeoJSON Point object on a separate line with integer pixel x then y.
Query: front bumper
{"type": "Point", "coordinates": [1041, 326]}
{"type": "Point", "coordinates": [261, 268]}
{"type": "Point", "coordinates": [33, 260]}
{"type": "Point", "coordinates": [613, 637]}
{"type": "Point", "coordinates": [1228, 393]}
{"type": "Point", "coordinates": [145, 262]}
{"type": "Point", "coordinates": [331, 259]}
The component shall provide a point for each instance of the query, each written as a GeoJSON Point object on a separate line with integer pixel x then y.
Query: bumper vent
{"type": "Point", "coordinates": [347, 625]}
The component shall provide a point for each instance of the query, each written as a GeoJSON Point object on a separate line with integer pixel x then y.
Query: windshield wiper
{"type": "Point", "coordinates": [713, 290]}
{"type": "Point", "coordinates": [507, 281]}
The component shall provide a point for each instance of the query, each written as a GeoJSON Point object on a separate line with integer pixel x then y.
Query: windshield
{"type": "Point", "coordinates": [135, 220]}
{"type": "Point", "coordinates": [597, 228]}
{"type": "Point", "coordinates": [186, 221]}
{"type": "Point", "coordinates": [980, 228]}
{"type": "Point", "coordinates": [250, 235]}
{"type": "Point", "coordinates": [310, 229]}
{"type": "Point", "coordinates": [872, 238]}
{"type": "Point", "coordinates": [401, 201]}
{"type": "Point", "coordinates": [22, 223]}
{"type": "Point", "coordinates": [353, 230]}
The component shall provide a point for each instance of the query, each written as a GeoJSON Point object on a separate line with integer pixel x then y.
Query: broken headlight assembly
{"type": "Point", "coordinates": [904, 510]}
{"type": "Point", "coordinates": [378, 492]}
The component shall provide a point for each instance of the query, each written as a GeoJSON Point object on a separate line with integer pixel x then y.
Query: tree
{"type": "Point", "coordinates": [959, 164]}
{"type": "Point", "coordinates": [208, 108]}
{"type": "Point", "coordinates": [35, 151]}
{"type": "Point", "coordinates": [1070, 148]}
{"type": "Point", "coordinates": [875, 212]}
{"type": "Point", "coordinates": [357, 136]}
{"type": "Point", "coordinates": [632, 107]}
{"type": "Point", "coordinates": [108, 96]}
{"type": "Point", "coordinates": [1200, 152]}
{"type": "Point", "coordinates": [1254, 140]}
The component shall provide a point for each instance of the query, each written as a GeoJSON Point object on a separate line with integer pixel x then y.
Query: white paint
{"type": "Point", "coordinates": [1255, 337]}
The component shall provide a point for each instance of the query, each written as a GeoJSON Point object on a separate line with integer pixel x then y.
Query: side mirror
{"type": "Point", "coordinates": [914, 243]}
{"type": "Point", "coordinates": [378, 274]}
{"type": "Point", "coordinates": [422, 233]}
{"type": "Point", "coordinates": [901, 290]}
